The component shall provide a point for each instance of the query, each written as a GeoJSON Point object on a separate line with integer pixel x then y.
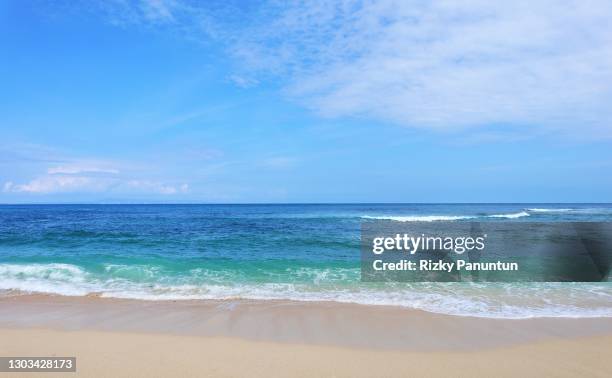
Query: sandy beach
{"type": "Point", "coordinates": [305, 189]}
{"type": "Point", "coordinates": [129, 338]}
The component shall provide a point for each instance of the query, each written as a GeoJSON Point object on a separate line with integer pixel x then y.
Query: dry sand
{"type": "Point", "coordinates": [123, 338]}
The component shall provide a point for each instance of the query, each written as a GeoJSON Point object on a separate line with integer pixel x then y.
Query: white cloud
{"type": "Point", "coordinates": [89, 176]}
{"type": "Point", "coordinates": [55, 183]}
{"type": "Point", "coordinates": [71, 177]}
{"type": "Point", "coordinates": [58, 184]}
{"type": "Point", "coordinates": [446, 64]}
{"type": "Point", "coordinates": [436, 64]}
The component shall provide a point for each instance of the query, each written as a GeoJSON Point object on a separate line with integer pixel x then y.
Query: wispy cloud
{"type": "Point", "coordinates": [80, 169]}
{"type": "Point", "coordinates": [59, 184]}
{"type": "Point", "coordinates": [158, 10]}
{"type": "Point", "coordinates": [243, 81]}
{"type": "Point", "coordinates": [50, 184]}
{"type": "Point", "coordinates": [438, 65]}
{"type": "Point", "coordinates": [447, 64]}
{"type": "Point", "coordinates": [85, 175]}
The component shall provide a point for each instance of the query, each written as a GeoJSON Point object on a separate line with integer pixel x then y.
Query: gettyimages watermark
{"type": "Point", "coordinates": [486, 251]}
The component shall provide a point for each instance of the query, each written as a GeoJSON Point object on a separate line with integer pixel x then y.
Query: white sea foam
{"type": "Point", "coordinates": [491, 300]}
{"type": "Point", "coordinates": [473, 302]}
{"type": "Point", "coordinates": [50, 272]}
{"type": "Point", "coordinates": [543, 210]}
{"type": "Point", "coordinates": [420, 218]}
{"type": "Point", "coordinates": [574, 211]}
{"type": "Point", "coordinates": [62, 279]}
{"type": "Point", "coordinates": [433, 218]}
{"type": "Point", "coordinates": [510, 215]}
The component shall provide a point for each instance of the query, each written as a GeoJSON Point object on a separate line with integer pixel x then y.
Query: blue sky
{"type": "Point", "coordinates": [233, 102]}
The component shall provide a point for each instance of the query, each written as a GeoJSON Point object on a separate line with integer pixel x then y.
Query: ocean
{"type": "Point", "coordinates": [264, 252]}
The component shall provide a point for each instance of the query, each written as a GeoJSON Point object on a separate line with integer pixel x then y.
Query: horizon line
{"type": "Point", "coordinates": [292, 203]}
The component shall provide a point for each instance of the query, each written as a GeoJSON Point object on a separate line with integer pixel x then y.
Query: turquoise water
{"type": "Point", "coordinates": [297, 252]}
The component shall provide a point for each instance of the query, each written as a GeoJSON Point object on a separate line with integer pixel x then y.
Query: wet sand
{"type": "Point", "coordinates": [112, 337]}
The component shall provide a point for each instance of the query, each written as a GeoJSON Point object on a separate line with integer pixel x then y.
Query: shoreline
{"type": "Point", "coordinates": [282, 321]}
{"type": "Point", "coordinates": [132, 338]}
